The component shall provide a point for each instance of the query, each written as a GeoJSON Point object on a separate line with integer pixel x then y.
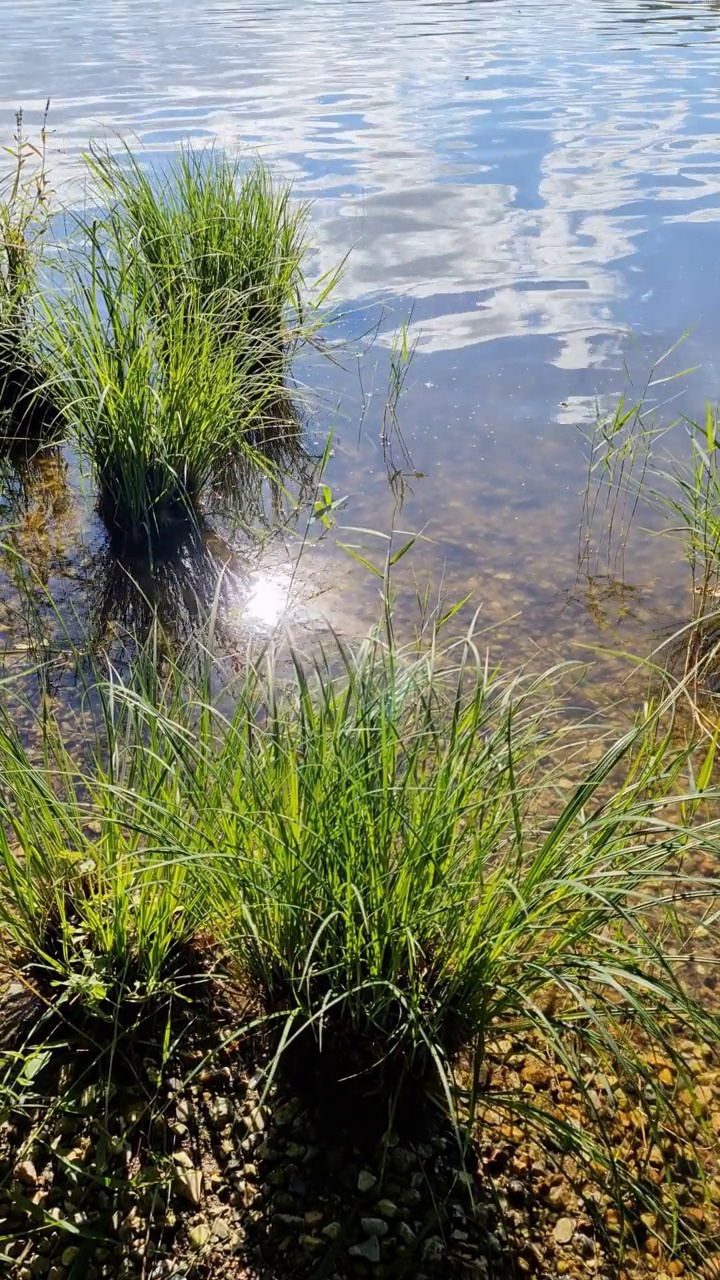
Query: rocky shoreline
{"type": "Point", "coordinates": [202, 1178]}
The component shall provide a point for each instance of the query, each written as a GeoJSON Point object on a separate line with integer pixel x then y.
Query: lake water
{"type": "Point", "coordinates": [534, 187]}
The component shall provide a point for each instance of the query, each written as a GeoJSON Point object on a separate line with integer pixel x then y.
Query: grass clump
{"type": "Point", "coordinates": [159, 410]}
{"type": "Point", "coordinates": [228, 234]}
{"type": "Point", "coordinates": [393, 873]}
{"type": "Point", "coordinates": [24, 217]}
{"type": "Point", "coordinates": [374, 847]}
{"type": "Point", "coordinates": [172, 337]}
{"type": "Point", "coordinates": [93, 918]}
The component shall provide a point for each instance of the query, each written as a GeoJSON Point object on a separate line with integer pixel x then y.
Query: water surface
{"type": "Point", "coordinates": [534, 186]}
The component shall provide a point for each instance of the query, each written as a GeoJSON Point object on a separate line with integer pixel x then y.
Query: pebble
{"type": "Point", "coordinates": [69, 1255]}
{"type": "Point", "coordinates": [220, 1112]}
{"type": "Point", "coordinates": [26, 1173]}
{"type": "Point", "coordinates": [369, 1250]}
{"type": "Point", "coordinates": [374, 1226]}
{"type": "Point", "coordinates": [433, 1250]}
{"type": "Point", "coordinates": [564, 1230]}
{"type": "Point", "coordinates": [188, 1184]}
{"type": "Point", "coordinates": [311, 1243]}
{"type": "Point", "coordinates": [402, 1160]}
{"type": "Point", "coordinates": [255, 1121]}
{"type": "Point", "coordinates": [406, 1233]}
{"type": "Point", "coordinates": [387, 1208]}
{"type": "Point", "coordinates": [366, 1180]}
{"type": "Point", "coordinates": [287, 1112]}
{"type": "Point", "coordinates": [199, 1235]}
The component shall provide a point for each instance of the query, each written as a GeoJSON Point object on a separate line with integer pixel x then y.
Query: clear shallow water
{"type": "Point", "coordinates": [527, 183]}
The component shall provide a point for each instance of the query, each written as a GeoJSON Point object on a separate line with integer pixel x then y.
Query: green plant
{"type": "Point", "coordinates": [638, 462]}
{"type": "Point", "coordinates": [160, 411]}
{"type": "Point", "coordinates": [92, 916]}
{"type": "Point", "coordinates": [226, 233]}
{"type": "Point", "coordinates": [395, 876]}
{"type": "Point", "coordinates": [392, 863]}
{"type": "Point", "coordinates": [24, 216]}
{"type": "Point", "coordinates": [385, 851]}
{"type": "Point", "coordinates": [23, 220]}
{"type": "Point", "coordinates": [171, 339]}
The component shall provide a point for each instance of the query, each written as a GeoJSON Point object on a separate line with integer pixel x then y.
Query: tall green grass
{"type": "Point", "coordinates": [382, 847]}
{"type": "Point", "coordinates": [671, 468]}
{"type": "Point", "coordinates": [25, 411]}
{"type": "Point", "coordinates": [159, 410]}
{"type": "Point", "coordinates": [220, 230]}
{"type": "Point", "coordinates": [93, 916]}
{"type": "Point", "coordinates": [394, 864]}
{"type": "Point", "coordinates": [23, 219]}
{"type": "Point", "coordinates": [172, 336]}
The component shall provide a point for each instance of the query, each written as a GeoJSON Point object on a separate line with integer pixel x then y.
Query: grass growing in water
{"type": "Point", "coordinates": [394, 872]}
{"type": "Point", "coordinates": [24, 215]}
{"type": "Point", "coordinates": [158, 409]}
{"type": "Point", "coordinates": [373, 846]}
{"type": "Point", "coordinates": [92, 916]}
{"type": "Point", "coordinates": [220, 231]}
{"type": "Point", "coordinates": [673, 468]}
{"type": "Point", "coordinates": [172, 339]}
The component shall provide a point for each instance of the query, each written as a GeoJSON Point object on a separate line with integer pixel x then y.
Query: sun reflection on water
{"type": "Point", "coordinates": [268, 599]}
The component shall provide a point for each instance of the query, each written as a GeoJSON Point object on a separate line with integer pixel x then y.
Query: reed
{"type": "Point", "coordinates": [26, 411]}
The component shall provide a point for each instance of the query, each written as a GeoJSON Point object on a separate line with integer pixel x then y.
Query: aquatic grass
{"type": "Point", "coordinates": [672, 469]}
{"type": "Point", "coordinates": [171, 338]}
{"type": "Point", "coordinates": [24, 194]}
{"type": "Point", "coordinates": [223, 230]}
{"type": "Point", "coordinates": [159, 411]}
{"type": "Point", "coordinates": [395, 871]}
{"type": "Point", "coordinates": [26, 411]}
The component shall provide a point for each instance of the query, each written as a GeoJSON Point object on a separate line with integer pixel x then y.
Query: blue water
{"type": "Point", "coordinates": [535, 187]}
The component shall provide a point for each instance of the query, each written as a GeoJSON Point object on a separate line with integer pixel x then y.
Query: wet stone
{"type": "Point", "coordinates": [433, 1250]}
{"type": "Point", "coordinates": [374, 1226]}
{"type": "Point", "coordinates": [369, 1250]}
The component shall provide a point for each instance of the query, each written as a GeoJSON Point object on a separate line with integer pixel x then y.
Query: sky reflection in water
{"type": "Point", "coordinates": [527, 182]}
